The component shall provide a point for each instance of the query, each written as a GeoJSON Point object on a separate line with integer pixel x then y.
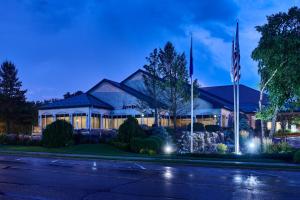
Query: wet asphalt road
{"type": "Point", "coordinates": [45, 178]}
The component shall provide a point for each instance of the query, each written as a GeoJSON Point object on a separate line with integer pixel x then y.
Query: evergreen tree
{"type": "Point", "coordinates": [12, 97]}
{"type": "Point", "coordinates": [175, 87]}
{"type": "Point", "coordinates": [152, 81]}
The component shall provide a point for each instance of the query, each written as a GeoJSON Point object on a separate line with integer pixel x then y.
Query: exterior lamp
{"type": "Point", "coordinates": [252, 146]}
{"type": "Point", "coordinates": [168, 149]}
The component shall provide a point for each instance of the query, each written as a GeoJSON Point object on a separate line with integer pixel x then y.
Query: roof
{"type": "Point", "coordinates": [216, 102]}
{"type": "Point", "coordinates": [222, 96]}
{"type": "Point", "coordinates": [125, 88]}
{"type": "Point", "coordinates": [249, 97]}
{"type": "Point", "coordinates": [83, 100]}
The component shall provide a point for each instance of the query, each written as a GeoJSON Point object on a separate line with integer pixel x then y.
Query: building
{"type": "Point", "coordinates": [109, 103]}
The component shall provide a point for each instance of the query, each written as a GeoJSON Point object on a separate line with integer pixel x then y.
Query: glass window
{"type": "Point", "coordinates": [79, 121]}
{"type": "Point", "coordinates": [95, 121]}
{"type": "Point", "coordinates": [46, 120]}
{"type": "Point", "coordinates": [64, 117]}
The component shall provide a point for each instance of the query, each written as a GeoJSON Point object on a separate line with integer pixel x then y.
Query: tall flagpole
{"type": "Point", "coordinates": [237, 79]}
{"type": "Point", "coordinates": [238, 116]}
{"type": "Point", "coordinates": [192, 114]}
{"type": "Point", "coordinates": [192, 96]}
{"type": "Point", "coordinates": [234, 86]}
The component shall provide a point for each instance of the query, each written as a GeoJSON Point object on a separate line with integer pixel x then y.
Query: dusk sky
{"type": "Point", "coordinates": [60, 46]}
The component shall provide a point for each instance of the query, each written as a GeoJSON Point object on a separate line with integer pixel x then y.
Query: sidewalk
{"type": "Point", "coordinates": [166, 160]}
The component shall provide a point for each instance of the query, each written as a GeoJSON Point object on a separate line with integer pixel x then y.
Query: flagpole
{"type": "Point", "coordinates": [238, 116]}
{"type": "Point", "coordinates": [192, 115]}
{"type": "Point", "coordinates": [234, 115]}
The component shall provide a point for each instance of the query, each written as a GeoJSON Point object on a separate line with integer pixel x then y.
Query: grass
{"type": "Point", "coordinates": [109, 150]}
{"type": "Point", "coordinates": [85, 149]}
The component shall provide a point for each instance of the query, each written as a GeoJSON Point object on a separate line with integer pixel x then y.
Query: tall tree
{"type": "Point", "coordinates": [278, 56]}
{"type": "Point", "coordinates": [12, 97]}
{"type": "Point", "coordinates": [175, 87]}
{"type": "Point", "coordinates": [152, 81]}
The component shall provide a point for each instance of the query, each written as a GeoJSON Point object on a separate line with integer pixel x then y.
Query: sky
{"type": "Point", "coordinates": [65, 46]}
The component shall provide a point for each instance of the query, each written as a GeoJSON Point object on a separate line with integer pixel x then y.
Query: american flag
{"type": "Point", "coordinates": [236, 57]}
{"type": "Point", "coordinates": [232, 61]}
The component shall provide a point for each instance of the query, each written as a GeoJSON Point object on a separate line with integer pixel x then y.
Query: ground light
{"type": "Point", "coordinates": [252, 147]}
{"type": "Point", "coordinates": [168, 149]}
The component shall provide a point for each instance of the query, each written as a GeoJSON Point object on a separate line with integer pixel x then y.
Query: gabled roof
{"type": "Point", "coordinates": [217, 103]}
{"type": "Point", "coordinates": [222, 96]}
{"type": "Point", "coordinates": [249, 97]}
{"type": "Point", "coordinates": [133, 74]}
{"type": "Point", "coordinates": [125, 88]}
{"type": "Point", "coordinates": [83, 100]}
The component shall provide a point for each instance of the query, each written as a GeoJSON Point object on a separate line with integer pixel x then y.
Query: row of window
{"type": "Point", "coordinates": [80, 120]}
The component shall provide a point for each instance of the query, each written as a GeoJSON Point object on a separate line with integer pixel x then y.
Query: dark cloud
{"type": "Point", "coordinates": [68, 45]}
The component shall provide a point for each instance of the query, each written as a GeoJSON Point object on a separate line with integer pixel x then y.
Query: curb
{"type": "Point", "coordinates": [174, 161]}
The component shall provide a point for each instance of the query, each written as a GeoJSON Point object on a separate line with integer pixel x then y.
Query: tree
{"type": "Point", "coordinates": [174, 86]}
{"type": "Point", "coordinates": [12, 97]}
{"type": "Point", "coordinates": [69, 94]}
{"type": "Point", "coordinates": [278, 56]}
{"type": "Point", "coordinates": [152, 81]}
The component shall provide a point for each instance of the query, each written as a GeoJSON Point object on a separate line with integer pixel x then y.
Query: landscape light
{"type": "Point", "coordinates": [252, 146]}
{"type": "Point", "coordinates": [168, 149]}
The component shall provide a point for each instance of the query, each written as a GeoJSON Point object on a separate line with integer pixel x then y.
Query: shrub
{"type": "Point", "coordinates": [151, 144]}
{"type": "Point", "coordinates": [130, 129]}
{"type": "Point", "coordinates": [154, 143]}
{"type": "Point", "coordinates": [57, 134]}
{"type": "Point", "coordinates": [212, 128]}
{"type": "Point", "coordinates": [281, 147]}
{"type": "Point", "coordinates": [221, 148]}
{"type": "Point", "coordinates": [151, 152]}
{"type": "Point", "coordinates": [284, 147]}
{"type": "Point", "coordinates": [159, 131]}
{"type": "Point", "coordinates": [198, 127]}
{"type": "Point", "coordinates": [136, 144]}
{"type": "Point", "coordinates": [2, 138]}
{"type": "Point", "coordinates": [297, 156]}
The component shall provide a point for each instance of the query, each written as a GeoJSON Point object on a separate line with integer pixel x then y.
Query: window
{"type": "Point", "coordinates": [95, 121]}
{"type": "Point", "coordinates": [46, 120]}
{"type": "Point", "coordinates": [79, 121]}
{"type": "Point", "coordinates": [64, 117]}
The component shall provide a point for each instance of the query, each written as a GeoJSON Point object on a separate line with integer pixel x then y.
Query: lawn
{"type": "Point", "coordinates": [109, 150]}
{"type": "Point", "coordinates": [88, 149]}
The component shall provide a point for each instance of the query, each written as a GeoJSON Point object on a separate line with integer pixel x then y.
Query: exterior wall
{"type": "Point", "coordinates": [114, 96]}
{"type": "Point", "coordinates": [136, 82]}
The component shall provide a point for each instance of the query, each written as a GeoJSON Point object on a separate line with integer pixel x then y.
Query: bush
{"type": "Point", "coordinates": [2, 138]}
{"type": "Point", "coordinates": [221, 148]}
{"type": "Point", "coordinates": [297, 157]}
{"type": "Point", "coordinates": [281, 147]}
{"type": "Point", "coordinates": [130, 129]}
{"type": "Point", "coordinates": [198, 127]}
{"type": "Point", "coordinates": [136, 144]}
{"type": "Point", "coordinates": [159, 131]}
{"type": "Point", "coordinates": [154, 143]}
{"type": "Point", "coordinates": [57, 134]}
{"type": "Point", "coordinates": [212, 128]}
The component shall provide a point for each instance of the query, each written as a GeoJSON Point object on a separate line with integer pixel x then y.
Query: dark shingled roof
{"type": "Point", "coordinates": [248, 97]}
{"type": "Point", "coordinates": [83, 100]}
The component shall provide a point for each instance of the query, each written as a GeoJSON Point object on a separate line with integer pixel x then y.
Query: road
{"type": "Point", "coordinates": [31, 178]}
